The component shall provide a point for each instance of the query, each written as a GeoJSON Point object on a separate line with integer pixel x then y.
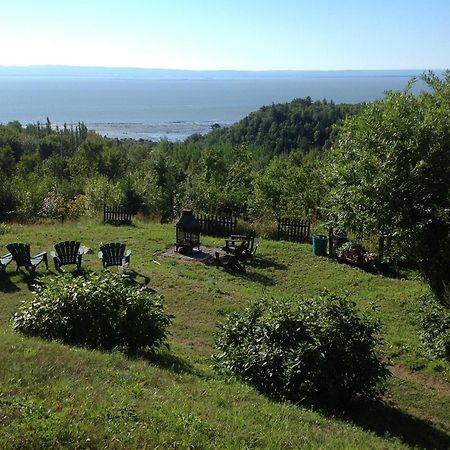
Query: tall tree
{"type": "Point", "coordinates": [390, 173]}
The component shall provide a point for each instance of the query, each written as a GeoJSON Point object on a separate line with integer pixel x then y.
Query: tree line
{"type": "Point", "coordinates": [254, 167]}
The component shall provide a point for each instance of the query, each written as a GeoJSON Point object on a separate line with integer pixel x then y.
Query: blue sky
{"type": "Point", "coordinates": [230, 34]}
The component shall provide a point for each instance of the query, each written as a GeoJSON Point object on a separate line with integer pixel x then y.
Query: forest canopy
{"type": "Point", "coordinates": [254, 167]}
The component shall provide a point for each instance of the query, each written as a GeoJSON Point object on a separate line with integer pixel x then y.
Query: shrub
{"type": "Point", "coordinates": [101, 191]}
{"type": "Point", "coordinates": [95, 311]}
{"type": "Point", "coordinates": [314, 350]}
{"type": "Point", "coordinates": [434, 320]}
{"type": "Point", "coordinates": [55, 206]}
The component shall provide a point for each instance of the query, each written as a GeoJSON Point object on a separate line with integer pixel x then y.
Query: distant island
{"type": "Point", "coordinates": [131, 72]}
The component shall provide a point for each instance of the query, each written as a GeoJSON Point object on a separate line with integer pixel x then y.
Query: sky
{"type": "Point", "coordinates": [227, 34]}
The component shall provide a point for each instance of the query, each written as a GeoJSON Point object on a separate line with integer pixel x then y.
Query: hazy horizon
{"type": "Point", "coordinates": [107, 71]}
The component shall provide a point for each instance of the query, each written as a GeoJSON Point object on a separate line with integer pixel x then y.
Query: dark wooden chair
{"type": "Point", "coordinates": [235, 243]}
{"type": "Point", "coordinates": [236, 259]}
{"type": "Point", "coordinates": [21, 255]}
{"type": "Point", "coordinates": [67, 252]}
{"type": "Point", "coordinates": [4, 261]}
{"type": "Point", "coordinates": [113, 254]}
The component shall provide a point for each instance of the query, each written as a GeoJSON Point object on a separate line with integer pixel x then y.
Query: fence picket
{"type": "Point", "coordinates": [116, 215]}
{"type": "Point", "coordinates": [293, 229]}
{"type": "Point", "coordinates": [214, 224]}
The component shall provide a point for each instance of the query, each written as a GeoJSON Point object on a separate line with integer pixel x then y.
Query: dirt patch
{"type": "Point", "coordinates": [204, 255]}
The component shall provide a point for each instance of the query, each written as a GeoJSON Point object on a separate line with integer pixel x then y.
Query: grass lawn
{"type": "Point", "coordinates": [56, 396]}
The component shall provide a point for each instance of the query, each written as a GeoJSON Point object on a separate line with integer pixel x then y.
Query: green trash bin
{"type": "Point", "coordinates": [319, 245]}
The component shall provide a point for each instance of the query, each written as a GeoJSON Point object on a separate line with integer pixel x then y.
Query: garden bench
{"type": "Point", "coordinates": [21, 255]}
{"type": "Point", "coordinates": [113, 254]}
{"type": "Point", "coordinates": [4, 261]}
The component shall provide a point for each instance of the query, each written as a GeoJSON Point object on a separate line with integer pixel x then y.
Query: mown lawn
{"type": "Point", "coordinates": [56, 396]}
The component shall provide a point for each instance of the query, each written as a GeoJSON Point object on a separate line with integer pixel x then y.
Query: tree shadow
{"type": "Point", "coordinates": [384, 420]}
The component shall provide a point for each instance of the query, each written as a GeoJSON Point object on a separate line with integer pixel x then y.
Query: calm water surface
{"type": "Point", "coordinates": [171, 108]}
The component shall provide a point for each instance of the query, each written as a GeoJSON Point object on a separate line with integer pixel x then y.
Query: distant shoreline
{"type": "Point", "coordinates": [141, 73]}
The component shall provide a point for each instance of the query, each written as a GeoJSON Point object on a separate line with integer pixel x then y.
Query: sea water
{"type": "Point", "coordinates": [170, 108]}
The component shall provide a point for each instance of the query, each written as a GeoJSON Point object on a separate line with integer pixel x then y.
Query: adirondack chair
{"type": "Point", "coordinates": [67, 252]}
{"type": "Point", "coordinates": [21, 255]}
{"type": "Point", "coordinates": [4, 261]}
{"type": "Point", "coordinates": [113, 254]}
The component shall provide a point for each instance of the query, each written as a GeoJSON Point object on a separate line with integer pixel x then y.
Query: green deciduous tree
{"type": "Point", "coordinates": [390, 173]}
{"type": "Point", "coordinates": [289, 186]}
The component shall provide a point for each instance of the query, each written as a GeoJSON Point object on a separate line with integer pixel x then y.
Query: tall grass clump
{"type": "Point", "coordinates": [318, 351]}
{"type": "Point", "coordinates": [97, 311]}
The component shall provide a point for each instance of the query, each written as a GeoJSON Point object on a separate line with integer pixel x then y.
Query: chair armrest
{"type": "Point", "coordinates": [6, 256]}
{"type": "Point", "coordinates": [100, 255]}
{"type": "Point", "coordinates": [127, 254]}
{"type": "Point", "coordinates": [40, 254]}
{"type": "Point", "coordinates": [53, 253]}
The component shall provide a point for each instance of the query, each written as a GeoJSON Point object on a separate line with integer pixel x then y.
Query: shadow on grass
{"type": "Point", "coordinates": [131, 276]}
{"type": "Point", "coordinates": [252, 276]}
{"type": "Point", "coordinates": [258, 278]}
{"type": "Point", "coordinates": [167, 361]}
{"type": "Point", "coordinates": [266, 263]}
{"type": "Point", "coordinates": [385, 420]}
{"type": "Point", "coordinates": [6, 285]}
{"type": "Point", "coordinates": [30, 280]}
{"type": "Point", "coordinates": [139, 279]}
{"type": "Point", "coordinates": [384, 269]}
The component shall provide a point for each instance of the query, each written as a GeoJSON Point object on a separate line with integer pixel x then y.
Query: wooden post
{"type": "Point", "coordinates": [381, 247]}
{"type": "Point", "coordinates": [389, 245]}
{"type": "Point", "coordinates": [330, 243]}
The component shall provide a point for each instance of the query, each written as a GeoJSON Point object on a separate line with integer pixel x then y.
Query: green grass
{"type": "Point", "coordinates": [56, 396]}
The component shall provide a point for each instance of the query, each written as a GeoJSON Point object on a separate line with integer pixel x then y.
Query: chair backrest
{"type": "Point", "coordinates": [20, 253]}
{"type": "Point", "coordinates": [251, 242]}
{"type": "Point", "coordinates": [113, 253]}
{"type": "Point", "coordinates": [67, 251]}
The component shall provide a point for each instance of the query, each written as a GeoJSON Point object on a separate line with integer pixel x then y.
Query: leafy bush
{"type": "Point", "coordinates": [55, 206]}
{"type": "Point", "coordinates": [101, 191]}
{"type": "Point", "coordinates": [315, 350]}
{"type": "Point", "coordinates": [434, 320]}
{"type": "Point", "coordinates": [95, 311]}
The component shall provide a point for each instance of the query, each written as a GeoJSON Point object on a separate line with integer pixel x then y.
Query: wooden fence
{"type": "Point", "coordinates": [116, 215]}
{"type": "Point", "coordinates": [290, 229]}
{"type": "Point", "coordinates": [217, 225]}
